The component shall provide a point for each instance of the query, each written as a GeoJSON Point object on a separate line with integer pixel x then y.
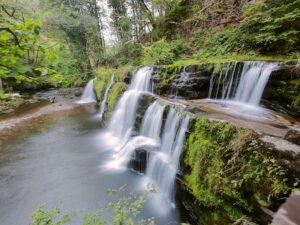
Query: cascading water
{"type": "Point", "coordinates": [247, 87]}
{"type": "Point", "coordinates": [104, 101]}
{"type": "Point", "coordinates": [149, 137]}
{"type": "Point", "coordinates": [253, 82]}
{"type": "Point", "coordinates": [88, 95]}
{"type": "Point", "coordinates": [152, 121]}
{"type": "Point", "coordinates": [163, 152]}
{"type": "Point", "coordinates": [123, 118]}
{"type": "Point", "coordinates": [163, 165]}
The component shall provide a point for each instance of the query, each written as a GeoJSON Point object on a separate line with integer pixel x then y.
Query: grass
{"type": "Point", "coordinates": [230, 58]}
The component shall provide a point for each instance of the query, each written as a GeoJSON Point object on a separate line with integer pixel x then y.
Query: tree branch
{"type": "Point", "coordinates": [12, 14]}
{"type": "Point", "coordinates": [6, 29]}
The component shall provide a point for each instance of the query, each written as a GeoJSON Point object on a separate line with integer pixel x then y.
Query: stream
{"type": "Point", "coordinates": [57, 161]}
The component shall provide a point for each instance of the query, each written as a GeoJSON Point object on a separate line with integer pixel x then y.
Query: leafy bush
{"type": "Point", "coordinates": [221, 43]}
{"type": "Point", "coordinates": [163, 52]}
{"type": "Point", "coordinates": [124, 211]}
{"type": "Point", "coordinates": [272, 26]}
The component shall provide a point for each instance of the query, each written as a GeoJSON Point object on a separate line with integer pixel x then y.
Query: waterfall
{"type": "Point", "coordinates": [183, 76]}
{"type": "Point", "coordinates": [257, 78]}
{"type": "Point", "coordinates": [163, 165]}
{"type": "Point", "coordinates": [88, 95]}
{"type": "Point", "coordinates": [103, 103]}
{"type": "Point", "coordinates": [163, 146]}
{"type": "Point", "coordinates": [148, 139]}
{"type": "Point", "coordinates": [152, 121]}
{"type": "Point", "coordinates": [122, 121]}
{"type": "Point", "coordinates": [247, 87]}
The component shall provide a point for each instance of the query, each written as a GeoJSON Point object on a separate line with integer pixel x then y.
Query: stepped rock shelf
{"type": "Point", "coordinates": [214, 128]}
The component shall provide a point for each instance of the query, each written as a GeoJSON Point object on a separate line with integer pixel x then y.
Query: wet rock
{"type": "Point", "coordinates": [282, 92]}
{"type": "Point", "coordinates": [293, 136]}
{"type": "Point", "coordinates": [289, 212]}
{"type": "Point", "coordinates": [144, 102]}
{"type": "Point", "coordinates": [139, 160]}
{"type": "Point", "coordinates": [128, 77]}
{"type": "Point", "coordinates": [187, 82]}
{"type": "Point", "coordinates": [77, 93]}
{"type": "Point", "coordinates": [52, 99]}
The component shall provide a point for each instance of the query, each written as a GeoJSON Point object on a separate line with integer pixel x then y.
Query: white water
{"type": "Point", "coordinates": [122, 121]}
{"type": "Point", "coordinates": [163, 165]}
{"type": "Point", "coordinates": [250, 86]}
{"type": "Point", "coordinates": [104, 101]}
{"type": "Point", "coordinates": [123, 117]}
{"type": "Point", "coordinates": [152, 121]}
{"type": "Point", "coordinates": [149, 137]}
{"type": "Point", "coordinates": [164, 147]}
{"type": "Point", "coordinates": [88, 95]}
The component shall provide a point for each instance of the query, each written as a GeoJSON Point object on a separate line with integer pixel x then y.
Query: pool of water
{"type": "Point", "coordinates": [58, 160]}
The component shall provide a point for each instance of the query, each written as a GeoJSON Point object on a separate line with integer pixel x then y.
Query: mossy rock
{"type": "Point", "coordinates": [116, 91]}
{"type": "Point", "coordinates": [226, 167]}
{"type": "Point", "coordinates": [170, 72]}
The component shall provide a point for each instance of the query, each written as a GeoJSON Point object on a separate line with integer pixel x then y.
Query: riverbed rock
{"type": "Point", "coordinates": [289, 212]}
{"type": "Point", "coordinates": [77, 93]}
{"type": "Point", "coordinates": [293, 136]}
{"type": "Point", "coordinates": [52, 99]}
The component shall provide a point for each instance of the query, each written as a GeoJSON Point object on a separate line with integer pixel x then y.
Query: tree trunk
{"type": "Point", "coordinates": [147, 12]}
{"type": "Point", "coordinates": [1, 86]}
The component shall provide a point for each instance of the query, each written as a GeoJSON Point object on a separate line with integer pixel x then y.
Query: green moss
{"type": "Point", "coordinates": [228, 169]}
{"type": "Point", "coordinates": [104, 74]}
{"type": "Point", "coordinates": [117, 90]}
{"type": "Point", "coordinates": [229, 58]}
{"type": "Point", "coordinates": [122, 72]}
{"type": "Point", "coordinates": [99, 87]}
{"type": "Point", "coordinates": [288, 92]}
{"type": "Point", "coordinates": [169, 73]}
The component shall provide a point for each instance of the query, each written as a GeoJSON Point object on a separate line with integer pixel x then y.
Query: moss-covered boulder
{"type": "Point", "coordinates": [229, 170]}
{"type": "Point", "coordinates": [116, 91]}
{"type": "Point", "coordinates": [188, 82]}
{"type": "Point", "coordinates": [283, 90]}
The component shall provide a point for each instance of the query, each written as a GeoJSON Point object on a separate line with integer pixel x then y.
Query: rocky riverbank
{"type": "Point", "coordinates": [36, 106]}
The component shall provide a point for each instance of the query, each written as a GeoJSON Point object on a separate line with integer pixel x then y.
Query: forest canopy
{"type": "Point", "coordinates": [62, 42]}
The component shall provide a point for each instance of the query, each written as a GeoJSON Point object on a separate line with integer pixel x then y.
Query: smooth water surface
{"type": "Point", "coordinates": [58, 161]}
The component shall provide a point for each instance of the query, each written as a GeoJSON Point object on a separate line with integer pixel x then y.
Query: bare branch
{"type": "Point", "coordinates": [6, 29]}
{"type": "Point", "coordinates": [12, 14]}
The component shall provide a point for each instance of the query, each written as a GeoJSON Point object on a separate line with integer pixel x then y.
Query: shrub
{"type": "Point", "coordinates": [272, 26]}
{"type": "Point", "coordinates": [163, 52]}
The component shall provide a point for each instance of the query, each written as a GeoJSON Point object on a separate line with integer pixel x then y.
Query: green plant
{"type": "Point", "coordinates": [163, 52]}
{"type": "Point", "coordinates": [117, 90]}
{"type": "Point", "coordinates": [272, 26]}
{"type": "Point", "coordinates": [227, 165]}
{"type": "Point", "coordinates": [123, 212]}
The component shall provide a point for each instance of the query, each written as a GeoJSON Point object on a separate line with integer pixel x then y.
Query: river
{"type": "Point", "coordinates": [57, 160]}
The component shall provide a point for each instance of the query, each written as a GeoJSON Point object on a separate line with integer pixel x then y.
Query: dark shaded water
{"type": "Point", "coordinates": [59, 158]}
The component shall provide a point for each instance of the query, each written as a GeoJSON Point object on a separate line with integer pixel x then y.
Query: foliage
{"type": "Point", "coordinates": [267, 27]}
{"type": "Point", "coordinates": [124, 211]}
{"type": "Point", "coordinates": [163, 52]}
{"type": "Point", "coordinates": [117, 90]}
{"type": "Point", "coordinates": [272, 26]}
{"type": "Point", "coordinates": [227, 164]}
{"type": "Point", "coordinates": [22, 57]}
{"type": "Point", "coordinates": [42, 217]}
